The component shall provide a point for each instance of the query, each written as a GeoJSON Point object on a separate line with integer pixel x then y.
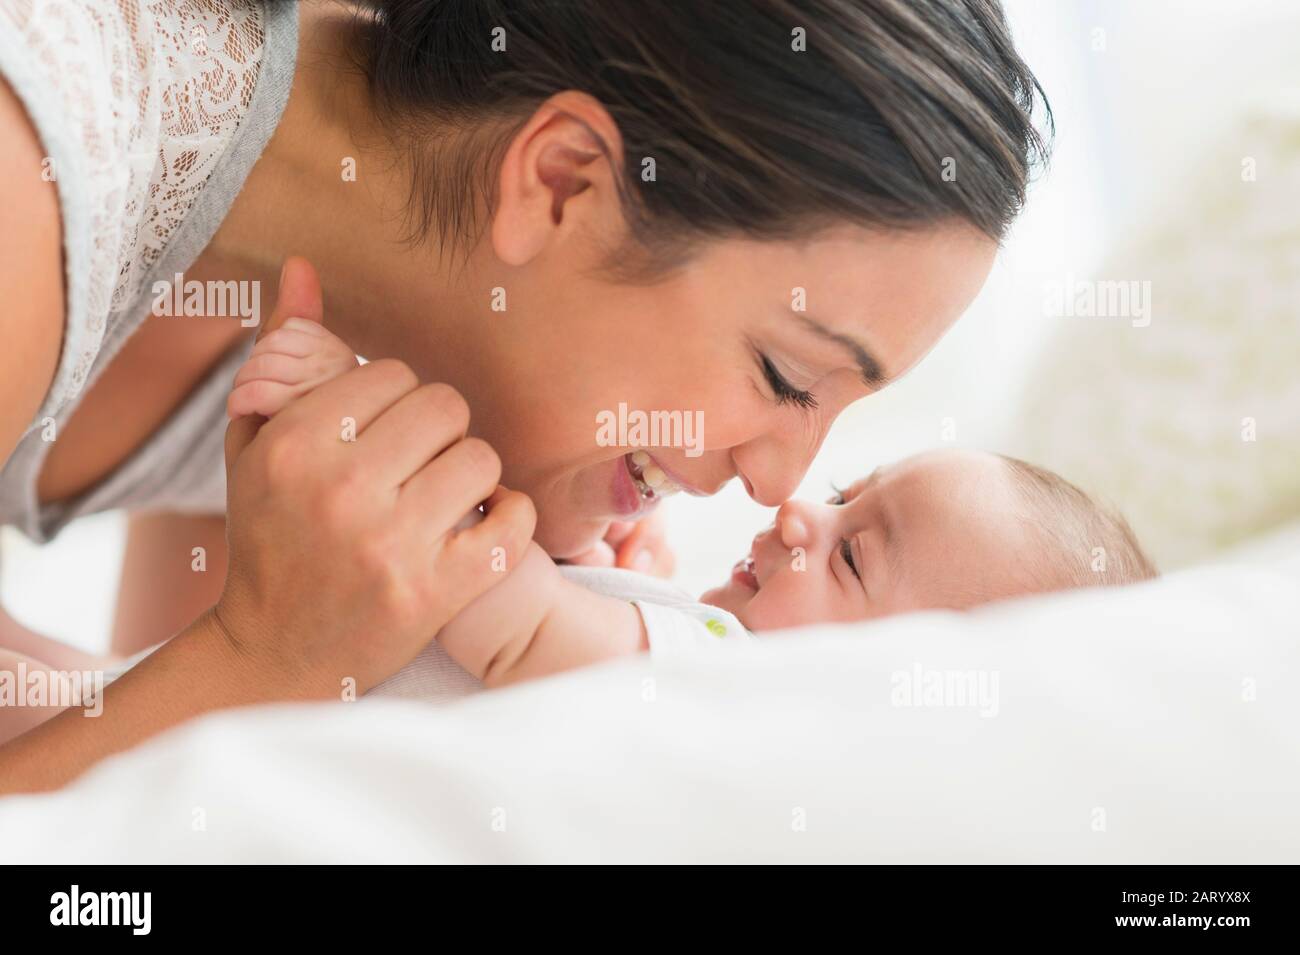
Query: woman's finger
{"type": "Point", "coordinates": [239, 435]}
{"type": "Point", "coordinates": [415, 430]}
{"type": "Point", "coordinates": [299, 296]}
{"type": "Point", "coordinates": [341, 409]}
{"type": "Point", "coordinates": [498, 542]}
{"type": "Point", "coordinates": [440, 493]}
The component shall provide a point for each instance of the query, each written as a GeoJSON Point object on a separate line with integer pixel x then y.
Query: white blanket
{"type": "Point", "coordinates": [1154, 724]}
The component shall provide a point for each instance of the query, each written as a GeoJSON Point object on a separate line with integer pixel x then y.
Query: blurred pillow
{"type": "Point", "coordinates": [1173, 392]}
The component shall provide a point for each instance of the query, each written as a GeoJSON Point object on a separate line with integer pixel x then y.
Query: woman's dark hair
{"type": "Point", "coordinates": [765, 118]}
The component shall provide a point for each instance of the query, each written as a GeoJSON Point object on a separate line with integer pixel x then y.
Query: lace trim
{"type": "Point", "coordinates": [135, 101]}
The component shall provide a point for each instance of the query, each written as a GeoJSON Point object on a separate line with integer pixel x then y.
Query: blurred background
{"type": "Point", "coordinates": [1176, 163]}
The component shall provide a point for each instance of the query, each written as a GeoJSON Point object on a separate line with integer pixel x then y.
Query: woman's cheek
{"type": "Point", "coordinates": [735, 414]}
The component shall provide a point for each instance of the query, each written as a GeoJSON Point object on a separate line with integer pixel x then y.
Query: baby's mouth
{"type": "Point", "coordinates": [650, 480]}
{"type": "Point", "coordinates": [743, 573]}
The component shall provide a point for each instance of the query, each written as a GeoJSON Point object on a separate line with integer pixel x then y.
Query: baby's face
{"type": "Point", "coordinates": [939, 530]}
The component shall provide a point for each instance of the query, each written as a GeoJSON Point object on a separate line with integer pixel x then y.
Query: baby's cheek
{"type": "Point", "coordinates": [782, 603]}
{"type": "Point", "coordinates": [798, 598]}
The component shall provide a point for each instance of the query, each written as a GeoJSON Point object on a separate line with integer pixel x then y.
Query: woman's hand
{"type": "Point", "coordinates": [344, 560]}
{"type": "Point", "coordinates": [633, 545]}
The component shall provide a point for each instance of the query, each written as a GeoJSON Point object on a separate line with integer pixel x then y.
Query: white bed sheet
{"type": "Point", "coordinates": [1154, 724]}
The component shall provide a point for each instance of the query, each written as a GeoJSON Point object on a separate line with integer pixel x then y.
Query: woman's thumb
{"type": "Point", "coordinates": [299, 296]}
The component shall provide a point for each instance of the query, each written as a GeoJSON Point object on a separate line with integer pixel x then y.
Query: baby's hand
{"type": "Point", "coordinates": [289, 362]}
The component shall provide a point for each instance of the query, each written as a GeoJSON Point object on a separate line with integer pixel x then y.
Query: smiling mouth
{"type": "Point", "coordinates": [650, 480]}
{"type": "Point", "coordinates": [744, 574]}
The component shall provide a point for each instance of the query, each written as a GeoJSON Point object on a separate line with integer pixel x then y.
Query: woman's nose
{"type": "Point", "coordinates": [772, 464]}
{"type": "Point", "coordinates": [771, 467]}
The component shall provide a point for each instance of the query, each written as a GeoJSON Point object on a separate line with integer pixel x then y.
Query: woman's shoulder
{"type": "Point", "coordinates": [136, 105]}
{"type": "Point", "coordinates": [31, 281]}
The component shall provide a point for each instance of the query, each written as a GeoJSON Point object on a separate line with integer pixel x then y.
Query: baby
{"type": "Point", "coordinates": [941, 530]}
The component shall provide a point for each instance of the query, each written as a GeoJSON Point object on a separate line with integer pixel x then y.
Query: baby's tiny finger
{"type": "Point", "coordinates": [272, 367]}
{"type": "Point", "coordinates": [288, 341]}
{"type": "Point", "coordinates": [260, 397]}
{"type": "Point", "coordinates": [646, 551]}
{"type": "Point", "coordinates": [303, 325]}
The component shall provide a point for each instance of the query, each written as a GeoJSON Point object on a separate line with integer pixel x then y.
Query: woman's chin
{"type": "Point", "coordinates": [574, 512]}
{"type": "Point", "coordinates": [566, 535]}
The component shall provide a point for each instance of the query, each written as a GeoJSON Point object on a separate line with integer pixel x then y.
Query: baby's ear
{"type": "Point", "coordinates": [299, 296]}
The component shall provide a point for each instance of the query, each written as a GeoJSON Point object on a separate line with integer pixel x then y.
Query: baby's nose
{"type": "Point", "coordinates": [794, 524]}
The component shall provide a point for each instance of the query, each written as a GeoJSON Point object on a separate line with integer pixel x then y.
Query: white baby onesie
{"type": "Point", "coordinates": [676, 624]}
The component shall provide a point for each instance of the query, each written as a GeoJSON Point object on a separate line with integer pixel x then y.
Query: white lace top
{"type": "Point", "coordinates": [151, 113]}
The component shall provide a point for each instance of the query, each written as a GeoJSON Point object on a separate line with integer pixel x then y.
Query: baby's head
{"type": "Point", "coordinates": [941, 530]}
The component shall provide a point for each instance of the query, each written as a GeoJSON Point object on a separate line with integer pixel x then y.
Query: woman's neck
{"type": "Point", "coordinates": [331, 187]}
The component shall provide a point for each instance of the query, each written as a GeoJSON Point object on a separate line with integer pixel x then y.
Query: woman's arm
{"type": "Point", "coordinates": [164, 585]}
{"type": "Point", "coordinates": [198, 671]}
{"type": "Point", "coordinates": [55, 695]}
{"type": "Point", "coordinates": [24, 652]}
{"type": "Point", "coordinates": [344, 557]}
{"type": "Point", "coordinates": [19, 639]}
{"type": "Point", "coordinates": [31, 327]}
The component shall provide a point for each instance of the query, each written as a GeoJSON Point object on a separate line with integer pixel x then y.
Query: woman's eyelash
{"type": "Point", "coordinates": [846, 551]}
{"type": "Point", "coordinates": [786, 393]}
{"type": "Point", "coordinates": [837, 495]}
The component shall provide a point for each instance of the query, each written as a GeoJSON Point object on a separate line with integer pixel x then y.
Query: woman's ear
{"type": "Point", "coordinates": [557, 174]}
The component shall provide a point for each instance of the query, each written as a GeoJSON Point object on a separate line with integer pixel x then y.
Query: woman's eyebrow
{"type": "Point", "coordinates": [872, 374]}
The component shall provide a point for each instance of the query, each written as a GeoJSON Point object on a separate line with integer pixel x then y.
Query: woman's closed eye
{"type": "Point", "coordinates": [784, 392]}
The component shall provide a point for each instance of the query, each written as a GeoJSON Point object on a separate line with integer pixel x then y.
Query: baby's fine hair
{"type": "Point", "coordinates": [1094, 544]}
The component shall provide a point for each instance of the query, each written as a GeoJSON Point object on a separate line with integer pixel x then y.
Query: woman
{"type": "Point", "coordinates": [751, 211]}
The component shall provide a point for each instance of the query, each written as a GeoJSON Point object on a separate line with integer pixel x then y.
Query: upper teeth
{"type": "Point", "coordinates": [650, 478]}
